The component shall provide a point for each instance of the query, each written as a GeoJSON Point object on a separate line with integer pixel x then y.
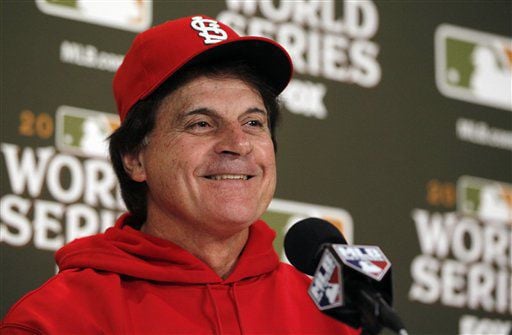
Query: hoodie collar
{"type": "Point", "coordinates": [127, 251]}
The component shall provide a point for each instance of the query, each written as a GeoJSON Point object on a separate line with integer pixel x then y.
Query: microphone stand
{"type": "Point", "coordinates": [376, 312]}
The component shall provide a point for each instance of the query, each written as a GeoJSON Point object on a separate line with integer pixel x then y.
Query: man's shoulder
{"type": "Point", "coordinates": [56, 300]}
{"type": "Point", "coordinates": [288, 271]}
{"type": "Point", "coordinates": [22, 316]}
{"type": "Point", "coordinates": [45, 293]}
{"type": "Point", "coordinates": [290, 280]}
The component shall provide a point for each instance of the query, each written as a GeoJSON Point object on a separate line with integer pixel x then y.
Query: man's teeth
{"type": "Point", "coordinates": [229, 177]}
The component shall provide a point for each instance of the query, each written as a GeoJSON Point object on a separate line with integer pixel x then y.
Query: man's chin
{"type": "Point", "coordinates": [232, 222]}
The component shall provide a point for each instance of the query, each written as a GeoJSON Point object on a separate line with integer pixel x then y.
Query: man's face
{"type": "Point", "coordinates": [210, 159]}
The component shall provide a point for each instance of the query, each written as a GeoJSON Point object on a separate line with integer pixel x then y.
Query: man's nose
{"type": "Point", "coordinates": [233, 140]}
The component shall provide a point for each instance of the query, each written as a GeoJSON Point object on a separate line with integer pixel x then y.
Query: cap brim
{"type": "Point", "coordinates": [268, 59]}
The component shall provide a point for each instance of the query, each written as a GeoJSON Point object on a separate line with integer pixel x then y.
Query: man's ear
{"type": "Point", "coordinates": [134, 166]}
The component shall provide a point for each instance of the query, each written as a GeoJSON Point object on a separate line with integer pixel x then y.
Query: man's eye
{"type": "Point", "coordinates": [199, 124]}
{"type": "Point", "coordinates": [255, 123]}
{"type": "Point", "coordinates": [202, 124]}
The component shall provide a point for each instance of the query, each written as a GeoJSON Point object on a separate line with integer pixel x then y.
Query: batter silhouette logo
{"type": "Point", "coordinates": [132, 15]}
{"type": "Point", "coordinates": [209, 30]}
{"type": "Point", "coordinates": [84, 132]}
{"type": "Point", "coordinates": [369, 260]}
{"type": "Point", "coordinates": [474, 66]}
{"type": "Point", "coordinates": [486, 199]}
{"type": "Point", "coordinates": [281, 215]}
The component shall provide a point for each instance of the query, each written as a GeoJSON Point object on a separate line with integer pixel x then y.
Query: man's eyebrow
{"type": "Point", "coordinates": [256, 110]}
{"type": "Point", "coordinates": [214, 114]}
{"type": "Point", "coordinates": [202, 110]}
{"type": "Point", "coordinates": [199, 111]}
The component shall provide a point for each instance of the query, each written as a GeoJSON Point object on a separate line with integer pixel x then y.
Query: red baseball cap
{"type": "Point", "coordinates": [157, 53]}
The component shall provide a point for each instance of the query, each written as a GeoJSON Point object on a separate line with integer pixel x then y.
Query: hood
{"type": "Point", "coordinates": [129, 252]}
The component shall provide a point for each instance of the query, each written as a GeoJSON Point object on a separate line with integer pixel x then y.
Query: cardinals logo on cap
{"type": "Point", "coordinates": [208, 29]}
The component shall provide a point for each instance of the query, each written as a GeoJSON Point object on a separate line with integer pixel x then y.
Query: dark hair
{"type": "Point", "coordinates": [130, 136]}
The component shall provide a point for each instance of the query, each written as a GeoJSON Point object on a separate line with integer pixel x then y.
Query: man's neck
{"type": "Point", "coordinates": [221, 254]}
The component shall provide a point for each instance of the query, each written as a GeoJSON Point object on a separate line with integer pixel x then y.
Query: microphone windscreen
{"type": "Point", "coordinates": [304, 240]}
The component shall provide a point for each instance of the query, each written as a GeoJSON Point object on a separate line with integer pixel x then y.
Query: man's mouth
{"type": "Point", "coordinates": [229, 177]}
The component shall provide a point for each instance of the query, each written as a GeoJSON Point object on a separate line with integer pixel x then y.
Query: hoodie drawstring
{"type": "Point", "coordinates": [218, 325]}
{"type": "Point", "coordinates": [234, 297]}
{"type": "Point", "coordinates": [237, 308]}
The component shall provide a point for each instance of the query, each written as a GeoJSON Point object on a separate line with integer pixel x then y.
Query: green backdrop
{"type": "Point", "coordinates": [397, 126]}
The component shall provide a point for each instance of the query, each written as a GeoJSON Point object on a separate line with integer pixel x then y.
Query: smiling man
{"type": "Point", "coordinates": [209, 166]}
{"type": "Point", "coordinates": [195, 158]}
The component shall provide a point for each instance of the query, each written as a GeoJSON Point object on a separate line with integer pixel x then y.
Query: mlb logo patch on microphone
{"type": "Point", "coordinates": [326, 288]}
{"type": "Point", "coordinates": [368, 260]}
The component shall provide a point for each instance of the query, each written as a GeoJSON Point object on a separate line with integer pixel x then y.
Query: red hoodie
{"type": "Point", "coordinates": [128, 282]}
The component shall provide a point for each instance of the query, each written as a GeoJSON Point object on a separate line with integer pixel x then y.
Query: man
{"type": "Point", "coordinates": [195, 157]}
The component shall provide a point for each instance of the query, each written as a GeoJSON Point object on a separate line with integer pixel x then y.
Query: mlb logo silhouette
{"type": "Point", "coordinates": [132, 15]}
{"type": "Point", "coordinates": [488, 200]}
{"type": "Point", "coordinates": [474, 66]}
{"type": "Point", "coordinates": [368, 260]}
{"type": "Point", "coordinates": [281, 215]}
{"type": "Point", "coordinates": [84, 132]}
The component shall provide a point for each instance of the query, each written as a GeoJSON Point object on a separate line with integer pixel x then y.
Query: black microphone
{"type": "Point", "coordinates": [351, 283]}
